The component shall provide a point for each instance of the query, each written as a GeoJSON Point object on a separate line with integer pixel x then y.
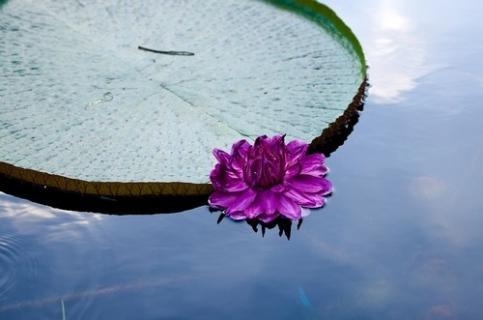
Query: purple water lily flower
{"type": "Point", "coordinates": [268, 180]}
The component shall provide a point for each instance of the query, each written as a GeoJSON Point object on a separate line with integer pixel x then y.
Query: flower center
{"type": "Point", "coordinates": [265, 170]}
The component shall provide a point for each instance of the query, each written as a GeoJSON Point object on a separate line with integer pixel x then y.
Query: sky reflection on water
{"type": "Point", "coordinates": [399, 239]}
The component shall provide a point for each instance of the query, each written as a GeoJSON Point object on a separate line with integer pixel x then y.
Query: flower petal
{"type": "Point", "coordinates": [295, 150]}
{"type": "Point", "coordinates": [266, 203]}
{"type": "Point", "coordinates": [234, 185]}
{"type": "Point", "coordinates": [267, 218]}
{"type": "Point", "coordinates": [242, 201]}
{"type": "Point", "coordinates": [215, 177]}
{"type": "Point", "coordinates": [297, 147]}
{"type": "Point", "coordinates": [240, 147]}
{"type": "Point", "coordinates": [237, 215]}
{"type": "Point", "coordinates": [313, 164]}
{"type": "Point", "coordinates": [224, 179]}
{"type": "Point", "coordinates": [278, 188]}
{"type": "Point", "coordinates": [310, 184]}
{"type": "Point", "coordinates": [305, 199]}
{"type": "Point", "coordinates": [222, 157]}
{"type": "Point", "coordinates": [288, 208]}
{"type": "Point", "coordinates": [239, 154]}
{"type": "Point", "coordinates": [268, 180]}
{"type": "Point", "coordinates": [293, 170]}
{"type": "Point", "coordinates": [269, 200]}
{"type": "Point", "coordinates": [273, 148]}
{"type": "Point", "coordinates": [255, 209]}
{"type": "Point", "coordinates": [266, 162]}
{"type": "Point", "coordinates": [305, 212]}
{"type": "Point", "coordinates": [222, 200]}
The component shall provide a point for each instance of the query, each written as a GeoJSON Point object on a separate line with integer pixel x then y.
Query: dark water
{"type": "Point", "coordinates": [402, 237]}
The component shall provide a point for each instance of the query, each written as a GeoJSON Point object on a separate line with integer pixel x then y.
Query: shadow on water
{"type": "Point", "coordinates": [119, 205]}
{"type": "Point", "coordinates": [284, 226]}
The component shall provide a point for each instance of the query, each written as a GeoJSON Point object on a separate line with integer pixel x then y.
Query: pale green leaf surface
{"type": "Point", "coordinates": [78, 99]}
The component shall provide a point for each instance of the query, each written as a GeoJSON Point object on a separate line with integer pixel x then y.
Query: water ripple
{"type": "Point", "coordinates": [14, 262]}
{"type": "Point", "coordinates": [8, 257]}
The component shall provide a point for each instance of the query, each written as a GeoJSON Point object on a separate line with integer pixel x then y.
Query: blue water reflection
{"type": "Point", "coordinates": [400, 239]}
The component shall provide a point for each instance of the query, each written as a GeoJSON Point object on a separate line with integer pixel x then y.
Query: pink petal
{"type": "Point", "coordinates": [295, 150]}
{"type": "Point", "coordinates": [266, 162]}
{"type": "Point", "coordinates": [269, 200]}
{"type": "Point", "coordinates": [260, 140]}
{"type": "Point", "coordinates": [221, 156]}
{"type": "Point", "coordinates": [215, 177]}
{"type": "Point", "coordinates": [276, 141]}
{"type": "Point", "coordinates": [255, 209]}
{"type": "Point", "coordinates": [239, 154]}
{"type": "Point", "coordinates": [305, 212]}
{"type": "Point", "coordinates": [268, 179]}
{"type": "Point", "coordinates": [293, 170]}
{"type": "Point", "coordinates": [222, 200]}
{"type": "Point", "coordinates": [224, 179]}
{"type": "Point", "coordinates": [310, 184]}
{"type": "Point", "coordinates": [266, 203]}
{"type": "Point", "coordinates": [297, 147]}
{"type": "Point", "coordinates": [240, 147]}
{"type": "Point", "coordinates": [238, 215]}
{"type": "Point", "coordinates": [313, 164]}
{"type": "Point", "coordinates": [231, 201]}
{"type": "Point", "coordinates": [235, 185]}
{"type": "Point", "coordinates": [328, 188]}
{"type": "Point", "coordinates": [278, 188]}
{"type": "Point", "coordinates": [304, 199]}
{"type": "Point", "coordinates": [242, 201]}
{"type": "Point", "coordinates": [273, 148]}
{"type": "Point", "coordinates": [288, 208]}
{"type": "Point", "coordinates": [267, 218]}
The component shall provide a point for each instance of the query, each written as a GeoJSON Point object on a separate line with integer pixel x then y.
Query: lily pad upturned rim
{"type": "Point", "coordinates": [165, 197]}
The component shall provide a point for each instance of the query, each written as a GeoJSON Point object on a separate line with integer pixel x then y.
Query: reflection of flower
{"type": "Point", "coordinates": [268, 179]}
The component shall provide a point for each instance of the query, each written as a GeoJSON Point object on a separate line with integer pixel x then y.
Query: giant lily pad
{"type": "Point", "coordinates": [83, 110]}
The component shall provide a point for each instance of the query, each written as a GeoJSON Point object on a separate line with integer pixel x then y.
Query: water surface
{"type": "Point", "coordinates": [399, 239]}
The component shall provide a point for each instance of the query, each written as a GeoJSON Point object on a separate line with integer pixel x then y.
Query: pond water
{"type": "Point", "coordinates": [399, 239]}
